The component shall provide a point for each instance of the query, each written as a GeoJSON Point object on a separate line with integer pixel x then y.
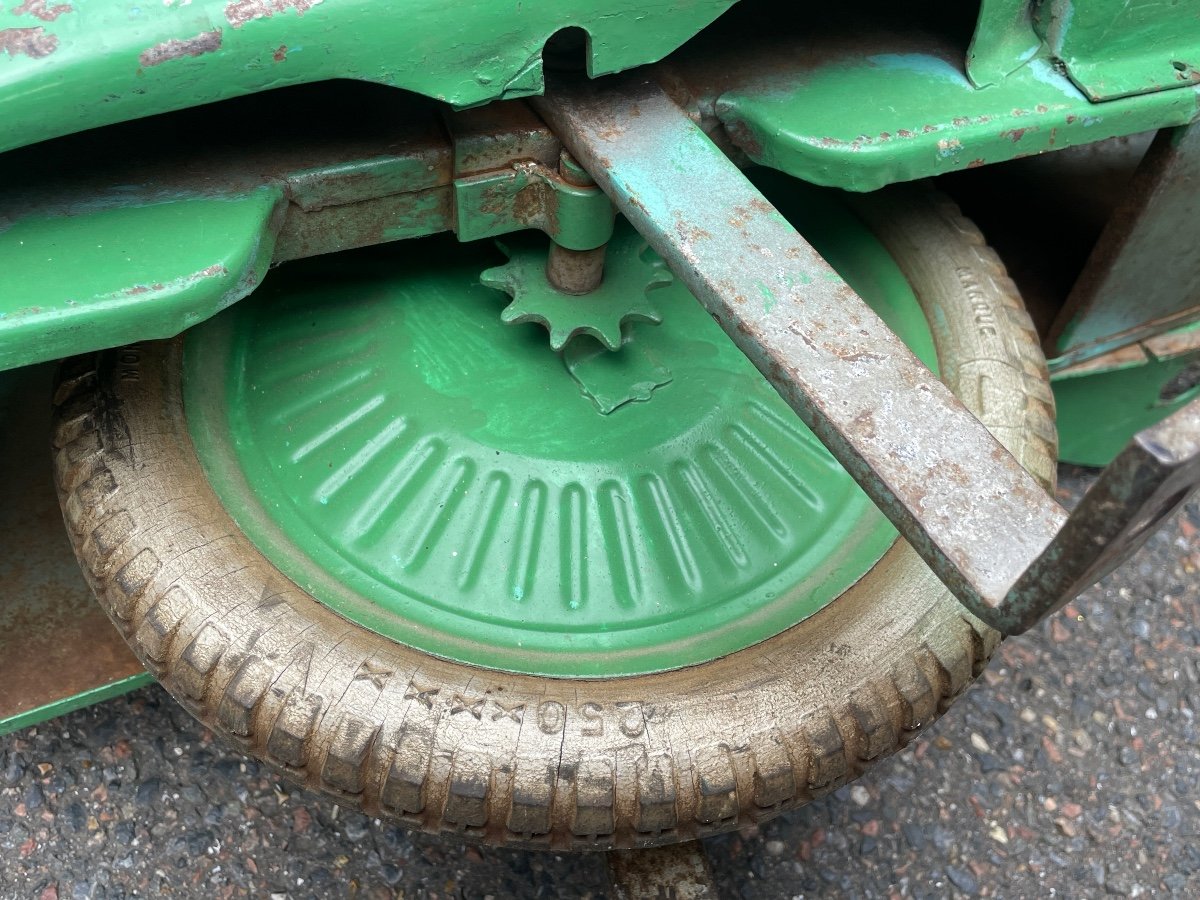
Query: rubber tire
{"type": "Point", "coordinates": [518, 760]}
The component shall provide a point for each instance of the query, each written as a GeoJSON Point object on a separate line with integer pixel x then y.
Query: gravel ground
{"type": "Point", "coordinates": [1071, 769]}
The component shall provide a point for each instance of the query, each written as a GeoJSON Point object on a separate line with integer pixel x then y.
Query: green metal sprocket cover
{"type": "Point", "coordinates": [449, 482]}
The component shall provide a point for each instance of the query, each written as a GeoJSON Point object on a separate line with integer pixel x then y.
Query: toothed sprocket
{"type": "Point", "coordinates": [631, 273]}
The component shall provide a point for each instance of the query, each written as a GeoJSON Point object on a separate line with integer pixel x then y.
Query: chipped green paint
{"type": "Point", "coordinates": [917, 114]}
{"type": "Point", "coordinates": [69, 284]}
{"type": "Point", "coordinates": [528, 195]}
{"type": "Point", "coordinates": [102, 62]}
{"type": "Point", "coordinates": [1115, 48]}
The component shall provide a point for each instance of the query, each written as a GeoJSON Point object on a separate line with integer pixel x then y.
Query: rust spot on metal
{"type": "Point", "coordinates": [39, 9]}
{"type": "Point", "coordinates": [976, 163]}
{"type": "Point", "coordinates": [205, 42]}
{"type": "Point", "coordinates": [864, 424]}
{"type": "Point", "coordinates": [239, 12]}
{"type": "Point", "coordinates": [280, 53]}
{"type": "Point", "coordinates": [55, 640]}
{"type": "Point", "coordinates": [690, 233]}
{"type": "Point", "coordinates": [859, 356]}
{"type": "Point", "coordinates": [1014, 134]}
{"type": "Point", "coordinates": [31, 42]}
{"type": "Point", "coordinates": [529, 204]}
{"type": "Point", "coordinates": [744, 139]}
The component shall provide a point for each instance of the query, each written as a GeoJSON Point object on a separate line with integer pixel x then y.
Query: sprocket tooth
{"type": "Point", "coordinates": [632, 273]}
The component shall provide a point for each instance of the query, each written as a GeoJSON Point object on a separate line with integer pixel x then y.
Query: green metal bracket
{"type": "Point", "coordinates": [1004, 40]}
{"type": "Point", "coordinates": [1112, 48]}
{"type": "Point", "coordinates": [73, 702]}
{"type": "Point", "coordinates": [531, 195]}
{"type": "Point", "coordinates": [1103, 402]}
{"type": "Point", "coordinates": [104, 277]}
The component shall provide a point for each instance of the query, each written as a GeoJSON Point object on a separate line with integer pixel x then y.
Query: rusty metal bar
{"type": "Point", "coordinates": [1146, 484]}
{"type": "Point", "coordinates": [1143, 276]}
{"type": "Point", "coordinates": [975, 516]}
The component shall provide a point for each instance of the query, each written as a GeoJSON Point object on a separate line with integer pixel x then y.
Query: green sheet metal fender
{"type": "Point", "coordinates": [68, 65]}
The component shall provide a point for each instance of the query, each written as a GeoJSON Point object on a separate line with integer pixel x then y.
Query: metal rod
{"type": "Point", "coordinates": [963, 502]}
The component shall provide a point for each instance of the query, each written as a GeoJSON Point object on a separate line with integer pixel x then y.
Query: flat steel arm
{"type": "Point", "coordinates": [984, 525]}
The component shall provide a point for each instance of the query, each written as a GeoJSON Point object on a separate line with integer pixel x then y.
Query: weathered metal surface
{"type": "Point", "coordinates": [99, 63]}
{"type": "Point", "coordinates": [172, 220]}
{"type": "Point", "coordinates": [966, 506]}
{"type": "Point", "coordinates": [1114, 48]}
{"type": "Point", "coordinates": [161, 233]}
{"type": "Point", "coordinates": [933, 469]}
{"type": "Point", "coordinates": [1146, 484]}
{"type": "Point", "coordinates": [1102, 402]}
{"type": "Point", "coordinates": [1004, 40]}
{"type": "Point", "coordinates": [58, 651]}
{"type": "Point", "coordinates": [530, 195]}
{"type": "Point", "coordinates": [362, 224]}
{"type": "Point", "coordinates": [677, 872]}
{"type": "Point", "coordinates": [575, 272]}
{"type": "Point", "coordinates": [1143, 276]}
{"type": "Point", "coordinates": [497, 135]}
{"type": "Point", "coordinates": [864, 109]}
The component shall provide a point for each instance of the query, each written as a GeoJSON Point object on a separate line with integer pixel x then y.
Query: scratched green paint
{"type": "Point", "coordinates": [112, 60]}
{"type": "Point", "coordinates": [1115, 48]}
{"type": "Point", "coordinates": [1004, 40]}
{"type": "Point", "coordinates": [69, 284]}
{"type": "Point", "coordinates": [915, 115]}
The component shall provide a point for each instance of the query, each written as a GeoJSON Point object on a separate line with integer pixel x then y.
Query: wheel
{"type": "Point", "coordinates": [200, 509]}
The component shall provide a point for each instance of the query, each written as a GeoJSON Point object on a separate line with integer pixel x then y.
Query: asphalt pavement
{"type": "Point", "coordinates": [1071, 769]}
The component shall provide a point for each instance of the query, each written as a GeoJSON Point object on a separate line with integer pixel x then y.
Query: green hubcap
{"type": "Point", "coordinates": [448, 481]}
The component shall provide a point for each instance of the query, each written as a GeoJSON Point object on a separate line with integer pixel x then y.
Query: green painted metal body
{"type": "Point", "coordinates": [1004, 40]}
{"type": "Point", "coordinates": [916, 114]}
{"type": "Point", "coordinates": [131, 257]}
{"type": "Point", "coordinates": [1100, 407]}
{"type": "Point", "coordinates": [72, 702]}
{"type": "Point", "coordinates": [917, 111]}
{"type": "Point", "coordinates": [74, 66]}
{"type": "Point", "coordinates": [375, 426]}
{"type": "Point", "coordinates": [126, 273]}
{"type": "Point", "coordinates": [1114, 48]}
